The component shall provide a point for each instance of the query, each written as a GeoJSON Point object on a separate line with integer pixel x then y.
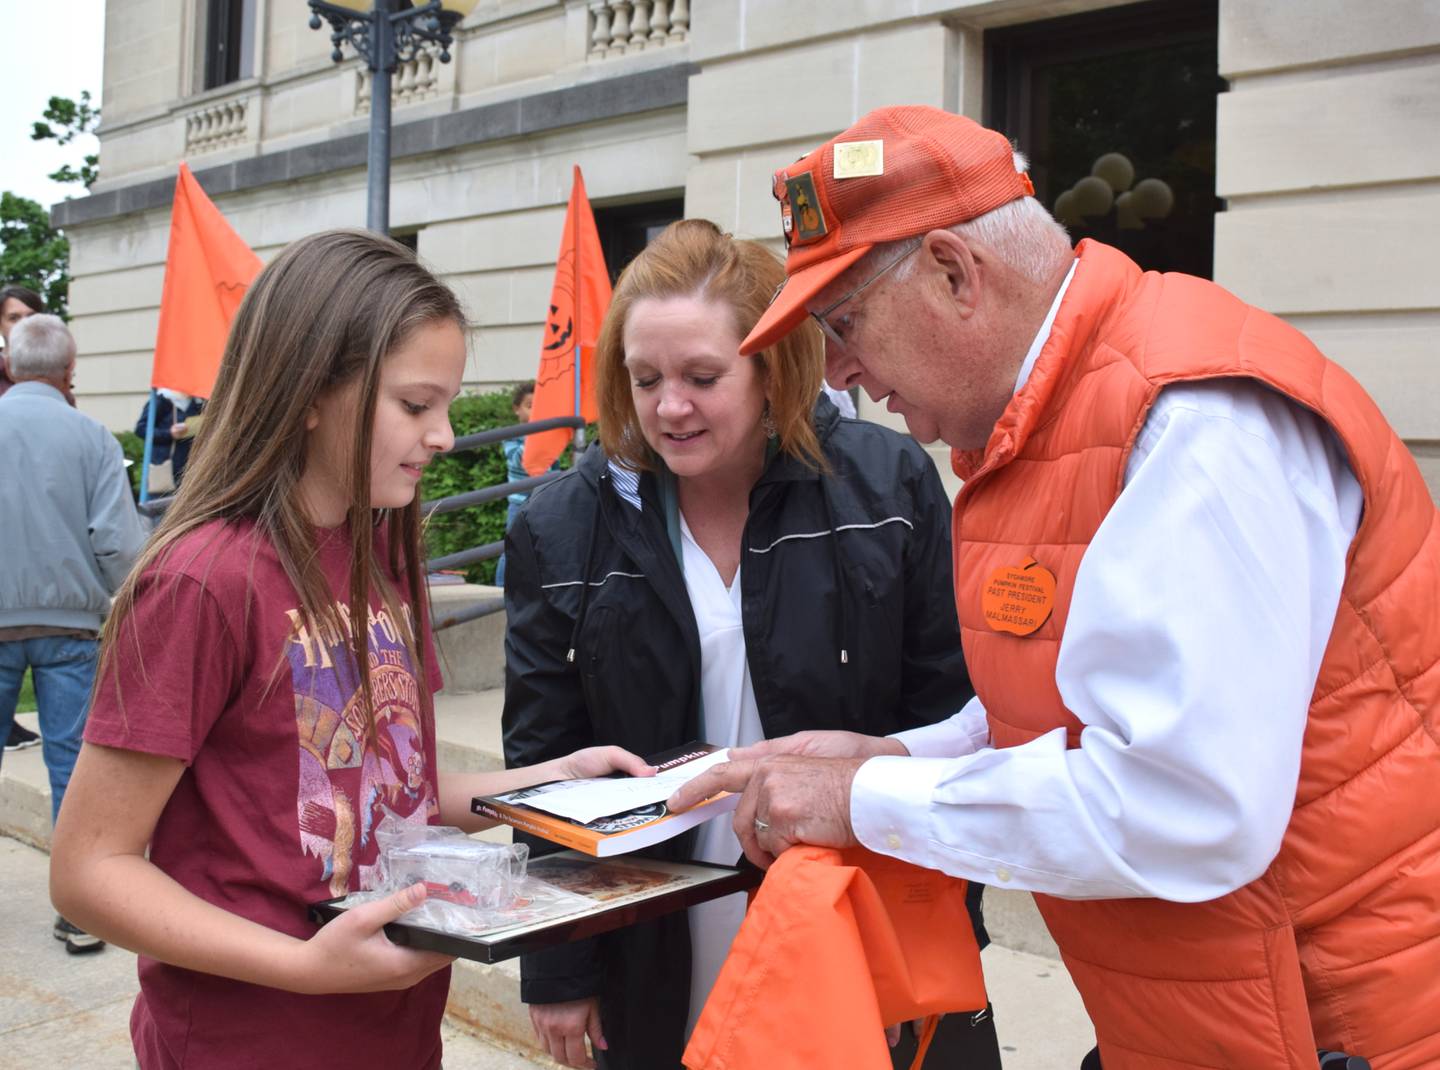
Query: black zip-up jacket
{"type": "Point", "coordinates": [849, 619]}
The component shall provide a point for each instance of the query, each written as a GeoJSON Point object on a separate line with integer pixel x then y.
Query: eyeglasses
{"type": "Point", "coordinates": [823, 316]}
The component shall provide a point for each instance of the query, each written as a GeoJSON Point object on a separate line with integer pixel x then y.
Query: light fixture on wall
{"type": "Point", "coordinates": [386, 35]}
{"type": "Point", "coordinates": [1109, 185]}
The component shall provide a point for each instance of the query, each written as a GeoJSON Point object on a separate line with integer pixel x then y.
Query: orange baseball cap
{"type": "Point", "coordinates": [896, 173]}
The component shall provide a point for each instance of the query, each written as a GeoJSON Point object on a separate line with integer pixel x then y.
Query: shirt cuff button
{"type": "Point", "coordinates": [892, 841]}
{"type": "Point", "coordinates": [1003, 874]}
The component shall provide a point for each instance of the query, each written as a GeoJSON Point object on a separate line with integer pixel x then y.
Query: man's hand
{"type": "Point", "coordinates": [600, 761]}
{"type": "Point", "coordinates": [787, 800]}
{"type": "Point", "coordinates": [563, 1027]}
{"type": "Point", "coordinates": [823, 745]}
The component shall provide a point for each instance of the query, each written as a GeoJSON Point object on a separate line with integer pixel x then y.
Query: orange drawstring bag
{"type": "Point", "coordinates": [837, 945]}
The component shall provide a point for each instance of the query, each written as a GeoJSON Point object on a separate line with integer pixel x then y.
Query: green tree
{"type": "Point", "coordinates": [32, 252]}
{"type": "Point", "coordinates": [63, 121]}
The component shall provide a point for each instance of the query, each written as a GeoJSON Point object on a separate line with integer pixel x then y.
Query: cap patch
{"type": "Point", "coordinates": [807, 220]}
{"type": "Point", "coordinates": [859, 159]}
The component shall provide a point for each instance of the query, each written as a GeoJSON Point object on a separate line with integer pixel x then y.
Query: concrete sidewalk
{"type": "Point", "coordinates": [60, 1011]}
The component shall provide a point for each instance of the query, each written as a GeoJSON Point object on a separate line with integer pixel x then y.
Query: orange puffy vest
{"type": "Point", "coordinates": [1337, 945]}
{"type": "Point", "coordinates": [835, 946]}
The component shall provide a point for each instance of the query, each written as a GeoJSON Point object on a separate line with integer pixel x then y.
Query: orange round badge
{"type": "Point", "coordinates": [1018, 598]}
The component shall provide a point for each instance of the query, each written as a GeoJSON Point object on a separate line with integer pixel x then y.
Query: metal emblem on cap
{"type": "Point", "coordinates": [782, 194]}
{"type": "Point", "coordinates": [807, 220]}
{"type": "Point", "coordinates": [859, 159]}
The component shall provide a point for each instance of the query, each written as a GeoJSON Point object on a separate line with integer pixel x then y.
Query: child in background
{"type": "Point", "coordinates": [289, 708]}
{"type": "Point", "coordinates": [521, 398]}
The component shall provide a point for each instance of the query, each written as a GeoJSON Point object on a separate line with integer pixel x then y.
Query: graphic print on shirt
{"type": "Point", "coordinates": [347, 787]}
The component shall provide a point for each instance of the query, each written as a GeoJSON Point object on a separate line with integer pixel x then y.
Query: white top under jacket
{"type": "Point", "coordinates": [1200, 614]}
{"type": "Point", "coordinates": [731, 719]}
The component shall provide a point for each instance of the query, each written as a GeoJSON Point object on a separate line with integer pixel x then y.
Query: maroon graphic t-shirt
{"type": "Point", "coordinates": [283, 791]}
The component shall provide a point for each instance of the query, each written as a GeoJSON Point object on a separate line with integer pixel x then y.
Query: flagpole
{"type": "Point", "coordinates": [579, 306]}
{"type": "Point", "coordinates": [579, 431]}
{"type": "Point", "coordinates": [149, 444]}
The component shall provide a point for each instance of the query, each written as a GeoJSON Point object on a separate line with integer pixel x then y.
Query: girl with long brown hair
{"type": "Point", "coordinates": [265, 694]}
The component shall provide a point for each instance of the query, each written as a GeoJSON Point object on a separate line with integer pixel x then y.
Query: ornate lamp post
{"type": "Point", "coordinates": [386, 33]}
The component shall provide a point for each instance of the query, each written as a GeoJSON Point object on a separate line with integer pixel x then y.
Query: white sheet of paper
{"type": "Point", "coordinates": [592, 799]}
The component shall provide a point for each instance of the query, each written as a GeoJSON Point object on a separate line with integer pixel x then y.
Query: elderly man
{"type": "Point", "coordinates": [1196, 576]}
{"type": "Point", "coordinates": [69, 535]}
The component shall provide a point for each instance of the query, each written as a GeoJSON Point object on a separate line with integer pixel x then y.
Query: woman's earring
{"type": "Point", "coordinates": [767, 422]}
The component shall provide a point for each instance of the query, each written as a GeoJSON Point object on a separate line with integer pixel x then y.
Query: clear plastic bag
{"type": "Point", "coordinates": [469, 884]}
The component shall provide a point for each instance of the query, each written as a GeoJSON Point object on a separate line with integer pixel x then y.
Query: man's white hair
{"type": "Point", "coordinates": [1021, 233]}
{"type": "Point", "coordinates": [41, 347]}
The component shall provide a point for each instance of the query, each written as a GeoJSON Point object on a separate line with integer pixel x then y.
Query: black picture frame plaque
{"type": "Point", "coordinates": [692, 883]}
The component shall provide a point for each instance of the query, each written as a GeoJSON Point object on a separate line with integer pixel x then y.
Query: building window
{"type": "Point", "coordinates": [1116, 111]}
{"type": "Point", "coordinates": [229, 41]}
{"type": "Point", "coordinates": [626, 229]}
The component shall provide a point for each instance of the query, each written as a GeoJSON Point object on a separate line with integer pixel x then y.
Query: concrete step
{"type": "Point", "coordinates": [472, 655]}
{"type": "Point", "coordinates": [25, 792]}
{"type": "Point", "coordinates": [467, 731]}
{"type": "Point", "coordinates": [485, 1000]}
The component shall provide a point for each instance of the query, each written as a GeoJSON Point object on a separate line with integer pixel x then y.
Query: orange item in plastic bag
{"type": "Point", "coordinates": [836, 946]}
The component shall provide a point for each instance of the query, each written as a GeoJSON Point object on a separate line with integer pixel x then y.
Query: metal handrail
{"type": "Point", "coordinates": [155, 506]}
{"type": "Point", "coordinates": [465, 499]}
{"type": "Point", "coordinates": [484, 608]}
{"type": "Point", "coordinates": [472, 556]}
{"type": "Point", "coordinates": [500, 434]}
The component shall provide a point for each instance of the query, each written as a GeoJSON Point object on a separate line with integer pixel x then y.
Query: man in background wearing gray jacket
{"type": "Point", "coordinates": [68, 535]}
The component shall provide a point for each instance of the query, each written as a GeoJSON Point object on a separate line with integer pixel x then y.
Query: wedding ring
{"type": "Point", "coordinates": [761, 826]}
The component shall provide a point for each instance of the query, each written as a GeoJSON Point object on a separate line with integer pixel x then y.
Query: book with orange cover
{"type": "Point", "coordinates": [627, 828]}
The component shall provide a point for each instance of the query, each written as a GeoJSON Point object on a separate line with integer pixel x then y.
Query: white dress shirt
{"type": "Point", "coordinates": [1199, 617]}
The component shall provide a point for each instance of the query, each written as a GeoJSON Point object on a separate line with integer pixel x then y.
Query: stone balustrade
{"type": "Point", "coordinates": [623, 27]}
{"type": "Point", "coordinates": [413, 81]}
{"type": "Point", "coordinates": [216, 126]}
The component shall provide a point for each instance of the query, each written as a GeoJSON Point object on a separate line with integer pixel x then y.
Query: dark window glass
{"type": "Point", "coordinates": [229, 41]}
{"type": "Point", "coordinates": [1116, 111]}
{"type": "Point", "coordinates": [626, 229]}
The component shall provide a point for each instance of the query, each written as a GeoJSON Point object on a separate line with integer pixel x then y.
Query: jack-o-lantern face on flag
{"type": "Point", "coordinates": [560, 335]}
{"type": "Point", "coordinates": [578, 301]}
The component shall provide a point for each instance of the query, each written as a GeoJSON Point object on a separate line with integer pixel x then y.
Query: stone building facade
{"type": "Point", "coordinates": [1324, 150]}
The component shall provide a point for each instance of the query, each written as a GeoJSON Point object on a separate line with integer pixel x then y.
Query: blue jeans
{"type": "Point", "coordinates": [512, 509]}
{"type": "Point", "coordinates": [63, 669]}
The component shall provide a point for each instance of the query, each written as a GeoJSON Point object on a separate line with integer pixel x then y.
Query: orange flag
{"type": "Point", "coordinates": [578, 301]}
{"type": "Point", "coordinates": [207, 270]}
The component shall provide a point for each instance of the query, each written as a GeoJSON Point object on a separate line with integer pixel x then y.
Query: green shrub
{"type": "Point", "coordinates": [134, 448]}
{"type": "Point", "coordinates": [450, 533]}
